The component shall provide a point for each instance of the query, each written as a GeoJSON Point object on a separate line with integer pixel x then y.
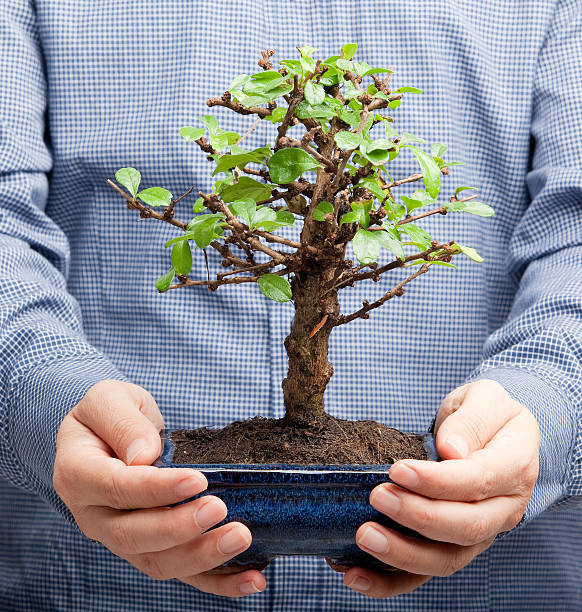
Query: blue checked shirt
{"type": "Point", "coordinates": [90, 86]}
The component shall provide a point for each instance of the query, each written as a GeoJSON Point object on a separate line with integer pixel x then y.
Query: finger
{"type": "Point", "coordinates": [507, 465]}
{"type": "Point", "coordinates": [414, 555]}
{"type": "Point", "coordinates": [142, 531]}
{"type": "Point", "coordinates": [381, 585]}
{"type": "Point", "coordinates": [125, 417]}
{"type": "Point", "coordinates": [484, 407]}
{"type": "Point", "coordinates": [201, 554]}
{"type": "Point", "coordinates": [95, 480]}
{"type": "Point", "coordinates": [448, 521]}
{"type": "Point", "coordinates": [230, 585]}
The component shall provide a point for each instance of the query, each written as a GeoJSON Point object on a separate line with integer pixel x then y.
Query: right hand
{"type": "Point", "coordinates": [103, 473]}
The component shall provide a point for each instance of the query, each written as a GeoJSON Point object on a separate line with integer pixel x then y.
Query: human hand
{"type": "Point", "coordinates": [489, 445]}
{"type": "Point", "coordinates": [102, 471]}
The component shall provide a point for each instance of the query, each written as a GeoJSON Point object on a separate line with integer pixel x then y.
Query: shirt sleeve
{"type": "Point", "coordinates": [537, 354]}
{"type": "Point", "coordinates": [46, 365]}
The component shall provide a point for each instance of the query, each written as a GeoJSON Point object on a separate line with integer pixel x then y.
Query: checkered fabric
{"type": "Point", "coordinates": [90, 86]}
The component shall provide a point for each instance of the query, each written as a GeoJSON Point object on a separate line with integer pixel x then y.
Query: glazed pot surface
{"type": "Point", "coordinates": [298, 510]}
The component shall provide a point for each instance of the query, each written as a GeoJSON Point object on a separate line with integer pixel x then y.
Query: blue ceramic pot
{"type": "Point", "coordinates": [298, 510]}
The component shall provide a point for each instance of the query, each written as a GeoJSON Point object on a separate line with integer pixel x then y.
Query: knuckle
{"type": "Point", "coordinates": [174, 532]}
{"type": "Point", "coordinates": [114, 492]}
{"type": "Point", "coordinates": [486, 485]}
{"type": "Point", "coordinates": [476, 427]}
{"type": "Point", "coordinates": [476, 531]}
{"type": "Point", "coordinates": [451, 563]}
{"type": "Point", "coordinates": [149, 564]}
{"type": "Point", "coordinates": [86, 526]}
{"type": "Point", "coordinates": [121, 538]}
{"type": "Point", "coordinates": [424, 518]}
{"type": "Point", "coordinates": [121, 430]}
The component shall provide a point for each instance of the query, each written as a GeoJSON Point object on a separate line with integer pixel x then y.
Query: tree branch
{"type": "Point", "coordinates": [367, 306]}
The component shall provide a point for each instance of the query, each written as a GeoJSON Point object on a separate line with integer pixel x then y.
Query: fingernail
{"type": "Point", "coordinates": [135, 449]}
{"type": "Point", "coordinates": [373, 540]}
{"type": "Point", "coordinates": [190, 486]}
{"type": "Point", "coordinates": [359, 583]}
{"type": "Point", "coordinates": [385, 501]}
{"type": "Point", "coordinates": [232, 542]}
{"type": "Point", "coordinates": [459, 444]}
{"type": "Point", "coordinates": [209, 514]}
{"type": "Point", "coordinates": [404, 476]}
{"type": "Point", "coordinates": [248, 588]}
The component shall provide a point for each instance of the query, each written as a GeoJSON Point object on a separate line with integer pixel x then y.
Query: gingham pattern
{"type": "Point", "coordinates": [120, 77]}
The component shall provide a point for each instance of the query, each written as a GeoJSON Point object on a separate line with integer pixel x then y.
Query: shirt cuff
{"type": "Point", "coordinates": [557, 422]}
{"type": "Point", "coordinates": [40, 400]}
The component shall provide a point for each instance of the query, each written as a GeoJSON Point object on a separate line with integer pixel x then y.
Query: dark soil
{"type": "Point", "coordinates": [326, 440]}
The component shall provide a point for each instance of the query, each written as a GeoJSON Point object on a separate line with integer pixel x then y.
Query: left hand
{"type": "Point", "coordinates": [489, 444]}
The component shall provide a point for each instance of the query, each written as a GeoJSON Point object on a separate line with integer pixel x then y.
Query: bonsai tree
{"type": "Point", "coordinates": [326, 169]}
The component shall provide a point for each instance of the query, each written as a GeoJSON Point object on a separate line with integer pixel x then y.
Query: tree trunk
{"type": "Point", "coordinates": [309, 367]}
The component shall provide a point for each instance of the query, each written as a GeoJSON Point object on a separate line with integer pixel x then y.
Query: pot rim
{"type": "Point", "coordinates": [165, 460]}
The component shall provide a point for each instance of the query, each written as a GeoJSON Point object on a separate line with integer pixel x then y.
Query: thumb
{"type": "Point", "coordinates": [470, 416]}
{"type": "Point", "coordinates": [126, 417]}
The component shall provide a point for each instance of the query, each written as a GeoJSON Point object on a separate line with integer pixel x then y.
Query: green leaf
{"type": "Point", "coordinates": [348, 140]}
{"type": "Point", "coordinates": [473, 207]}
{"type": "Point", "coordinates": [377, 71]}
{"type": "Point", "coordinates": [407, 138]}
{"type": "Point", "coordinates": [293, 66]}
{"type": "Point", "coordinates": [190, 133]}
{"type": "Point", "coordinates": [417, 234]}
{"type": "Point", "coordinates": [130, 178]}
{"type": "Point", "coordinates": [394, 104]}
{"type": "Point", "coordinates": [314, 93]}
{"type": "Point", "coordinates": [238, 82]}
{"type": "Point", "coordinates": [390, 131]}
{"type": "Point", "coordinates": [287, 164]}
{"type": "Point", "coordinates": [366, 246]}
{"type": "Point", "coordinates": [322, 209]}
{"type": "Point", "coordinates": [283, 218]}
{"type": "Point", "coordinates": [246, 187]}
{"type": "Point", "coordinates": [264, 215]}
{"type": "Point", "coordinates": [267, 76]}
{"type": "Point", "coordinates": [203, 233]}
{"type": "Point", "coordinates": [275, 287]}
{"type": "Point", "coordinates": [413, 90]}
{"type": "Point", "coordinates": [411, 204]}
{"type": "Point", "coordinates": [344, 64]}
{"type": "Point", "coordinates": [245, 209]}
{"type": "Point", "coordinates": [459, 189]}
{"type": "Point", "coordinates": [307, 111]}
{"type": "Point", "coordinates": [348, 51]}
{"type": "Point", "coordinates": [163, 282]}
{"type": "Point", "coordinates": [419, 199]}
{"type": "Point", "coordinates": [370, 184]}
{"type": "Point", "coordinates": [210, 122]}
{"type": "Point", "coordinates": [470, 252]}
{"type": "Point", "coordinates": [182, 257]}
{"type": "Point", "coordinates": [438, 150]}
{"type": "Point", "coordinates": [377, 151]}
{"type": "Point", "coordinates": [430, 171]}
{"type": "Point", "coordinates": [392, 244]}
{"type": "Point", "coordinates": [350, 217]}
{"type": "Point", "coordinates": [155, 196]}
{"type": "Point", "coordinates": [263, 82]}
{"type": "Point", "coordinates": [198, 206]}
{"type": "Point", "coordinates": [277, 115]}
{"type": "Point", "coordinates": [419, 262]}
{"type": "Point", "coordinates": [306, 51]}
{"type": "Point", "coordinates": [240, 160]}
{"type": "Point", "coordinates": [330, 77]}
{"type": "Point", "coordinates": [249, 101]}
